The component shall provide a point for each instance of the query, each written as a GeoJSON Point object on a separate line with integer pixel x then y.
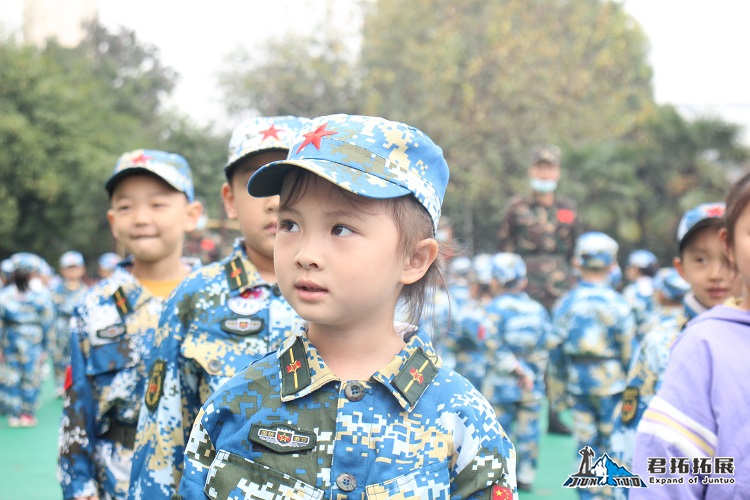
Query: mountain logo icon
{"type": "Point", "coordinates": [603, 472]}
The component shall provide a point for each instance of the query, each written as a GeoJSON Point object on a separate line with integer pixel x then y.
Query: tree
{"type": "Point", "coordinates": [488, 79]}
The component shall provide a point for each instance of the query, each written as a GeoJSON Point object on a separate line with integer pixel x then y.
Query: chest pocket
{"type": "Point", "coordinates": [113, 356]}
{"type": "Point", "coordinates": [218, 357]}
{"type": "Point", "coordinates": [232, 476]}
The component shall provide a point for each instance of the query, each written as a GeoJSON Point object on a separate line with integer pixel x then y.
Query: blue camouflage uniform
{"type": "Point", "coordinates": [25, 321]}
{"type": "Point", "coordinates": [64, 299]}
{"type": "Point", "coordinates": [111, 328]}
{"type": "Point", "coordinates": [219, 320]}
{"type": "Point", "coordinates": [415, 429]}
{"type": "Point", "coordinates": [595, 327]}
{"type": "Point", "coordinates": [523, 327]}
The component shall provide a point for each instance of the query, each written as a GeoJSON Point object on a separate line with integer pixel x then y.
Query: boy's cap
{"type": "Point", "coordinates": [696, 218]}
{"type": "Point", "coordinates": [482, 267]}
{"type": "Point", "coordinates": [508, 267]}
{"type": "Point", "coordinates": [71, 259]}
{"type": "Point", "coordinates": [171, 168]}
{"type": "Point", "coordinates": [642, 259]}
{"type": "Point", "coordinates": [368, 156]}
{"type": "Point", "coordinates": [262, 133]}
{"type": "Point", "coordinates": [460, 267]}
{"type": "Point", "coordinates": [108, 261]}
{"type": "Point", "coordinates": [26, 262]}
{"type": "Point", "coordinates": [547, 153]}
{"type": "Point", "coordinates": [669, 282]}
{"type": "Point", "coordinates": [595, 250]}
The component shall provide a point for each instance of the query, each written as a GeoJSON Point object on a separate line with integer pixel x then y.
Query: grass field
{"type": "Point", "coordinates": [28, 459]}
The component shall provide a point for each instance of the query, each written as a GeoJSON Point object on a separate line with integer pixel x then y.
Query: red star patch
{"type": "Point", "coordinates": [315, 137]}
{"type": "Point", "coordinates": [715, 211]}
{"type": "Point", "coordinates": [271, 131]}
{"type": "Point", "coordinates": [140, 159]}
{"type": "Point", "coordinates": [565, 216]}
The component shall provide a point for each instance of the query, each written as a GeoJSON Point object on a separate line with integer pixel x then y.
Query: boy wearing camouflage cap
{"type": "Point", "coordinates": [354, 404]}
{"type": "Point", "coordinates": [523, 327]}
{"type": "Point", "coordinates": [113, 325]}
{"type": "Point", "coordinates": [594, 326]}
{"type": "Point", "coordinates": [220, 318]}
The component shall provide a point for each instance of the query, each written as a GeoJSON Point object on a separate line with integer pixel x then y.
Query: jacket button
{"type": "Point", "coordinates": [214, 366]}
{"type": "Point", "coordinates": [346, 482]}
{"type": "Point", "coordinates": [276, 290]}
{"type": "Point", "coordinates": [354, 391]}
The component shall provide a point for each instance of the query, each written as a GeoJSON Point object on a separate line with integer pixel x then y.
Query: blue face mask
{"type": "Point", "coordinates": [542, 185]}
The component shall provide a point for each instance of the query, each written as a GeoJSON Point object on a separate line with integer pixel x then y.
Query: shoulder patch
{"type": "Point", "coordinates": [629, 404]}
{"type": "Point", "coordinates": [155, 384]}
{"type": "Point", "coordinates": [282, 438]}
{"type": "Point", "coordinates": [236, 274]}
{"type": "Point", "coordinates": [295, 374]}
{"type": "Point", "coordinates": [111, 332]}
{"type": "Point", "coordinates": [243, 326]}
{"type": "Point", "coordinates": [416, 374]}
{"type": "Point", "coordinates": [501, 493]}
{"type": "Point", "coordinates": [121, 302]}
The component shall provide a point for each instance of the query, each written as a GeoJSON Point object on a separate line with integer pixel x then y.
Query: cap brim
{"type": "Point", "coordinates": [701, 224]}
{"type": "Point", "coordinates": [237, 161]}
{"type": "Point", "coordinates": [268, 179]}
{"type": "Point", "coordinates": [112, 181]}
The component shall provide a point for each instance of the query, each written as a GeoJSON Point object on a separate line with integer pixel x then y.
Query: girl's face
{"type": "Point", "coordinates": [336, 257]}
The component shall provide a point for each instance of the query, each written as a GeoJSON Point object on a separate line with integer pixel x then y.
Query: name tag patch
{"type": "Point", "coordinates": [243, 326]}
{"type": "Point", "coordinates": [111, 332]}
{"type": "Point", "coordinates": [282, 438]}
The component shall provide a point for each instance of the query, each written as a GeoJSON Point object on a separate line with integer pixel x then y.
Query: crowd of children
{"type": "Point", "coordinates": [342, 348]}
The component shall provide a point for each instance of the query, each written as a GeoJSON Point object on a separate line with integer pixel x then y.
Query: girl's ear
{"type": "Point", "coordinates": [419, 261]}
{"type": "Point", "coordinates": [727, 247]}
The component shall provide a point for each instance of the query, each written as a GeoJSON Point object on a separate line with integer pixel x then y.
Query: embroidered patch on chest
{"type": "Point", "coordinates": [250, 302]}
{"type": "Point", "coordinates": [111, 332]}
{"type": "Point", "coordinates": [630, 404]}
{"type": "Point", "coordinates": [282, 438]}
{"type": "Point", "coordinates": [155, 384]}
{"type": "Point", "coordinates": [243, 326]}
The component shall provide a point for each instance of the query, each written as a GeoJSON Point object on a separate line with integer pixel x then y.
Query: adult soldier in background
{"type": "Point", "coordinates": [542, 227]}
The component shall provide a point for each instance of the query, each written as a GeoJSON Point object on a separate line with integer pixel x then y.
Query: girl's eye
{"type": "Point", "coordinates": [339, 230]}
{"type": "Point", "coordinates": [288, 226]}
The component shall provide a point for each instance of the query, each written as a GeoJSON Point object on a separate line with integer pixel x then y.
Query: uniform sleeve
{"type": "Point", "coordinates": [679, 421]}
{"type": "Point", "coordinates": [625, 337]}
{"type": "Point", "coordinates": [199, 454]}
{"type": "Point", "coordinates": [505, 233]}
{"type": "Point", "coordinates": [77, 426]}
{"type": "Point", "coordinates": [486, 463]}
{"type": "Point", "coordinates": [499, 358]}
{"type": "Point", "coordinates": [164, 425]}
{"type": "Point", "coordinates": [47, 317]}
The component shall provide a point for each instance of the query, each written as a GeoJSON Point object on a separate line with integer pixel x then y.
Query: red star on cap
{"type": "Point", "coordinates": [315, 137]}
{"type": "Point", "coordinates": [140, 159]}
{"type": "Point", "coordinates": [717, 211]}
{"type": "Point", "coordinates": [271, 131]}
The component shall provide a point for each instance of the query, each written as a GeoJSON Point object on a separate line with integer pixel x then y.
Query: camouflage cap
{"type": "Point", "coordinates": [507, 268]}
{"type": "Point", "coordinates": [71, 258]}
{"type": "Point", "coordinates": [171, 168]}
{"type": "Point", "coordinates": [368, 156]}
{"type": "Point", "coordinates": [696, 218]}
{"type": "Point", "coordinates": [260, 134]}
{"type": "Point", "coordinates": [669, 282]}
{"type": "Point", "coordinates": [26, 262]}
{"type": "Point", "coordinates": [108, 261]}
{"type": "Point", "coordinates": [642, 259]}
{"type": "Point", "coordinates": [482, 269]}
{"type": "Point", "coordinates": [595, 250]}
{"type": "Point", "coordinates": [547, 153]}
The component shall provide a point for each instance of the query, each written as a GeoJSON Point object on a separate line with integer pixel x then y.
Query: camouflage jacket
{"type": "Point", "coordinates": [111, 327]}
{"type": "Point", "coordinates": [287, 427]}
{"type": "Point", "coordinates": [545, 237]}
{"type": "Point", "coordinates": [219, 320]}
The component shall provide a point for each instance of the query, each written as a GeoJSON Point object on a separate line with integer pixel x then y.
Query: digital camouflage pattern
{"type": "Point", "coordinates": [112, 326]}
{"type": "Point", "coordinates": [524, 327]}
{"type": "Point", "coordinates": [219, 320]}
{"type": "Point", "coordinates": [368, 156]}
{"type": "Point", "coordinates": [25, 322]}
{"type": "Point", "coordinates": [644, 377]}
{"type": "Point", "coordinates": [262, 133]}
{"type": "Point", "coordinates": [545, 237]}
{"type": "Point", "coordinates": [287, 427]}
{"type": "Point", "coordinates": [64, 299]}
{"type": "Point", "coordinates": [170, 167]}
